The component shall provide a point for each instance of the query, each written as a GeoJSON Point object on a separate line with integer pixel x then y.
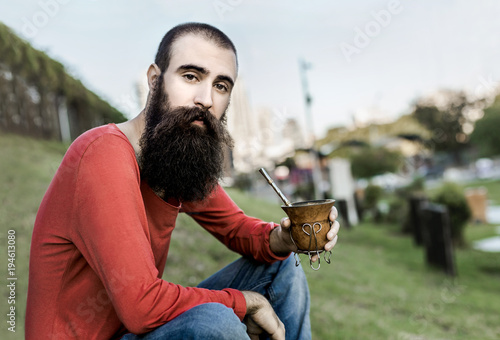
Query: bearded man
{"type": "Point", "coordinates": [102, 232]}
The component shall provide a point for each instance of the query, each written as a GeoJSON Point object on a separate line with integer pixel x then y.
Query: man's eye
{"type": "Point", "coordinates": [221, 87]}
{"type": "Point", "coordinates": [190, 77]}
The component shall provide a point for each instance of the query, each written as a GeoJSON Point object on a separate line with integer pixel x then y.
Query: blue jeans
{"type": "Point", "coordinates": [282, 283]}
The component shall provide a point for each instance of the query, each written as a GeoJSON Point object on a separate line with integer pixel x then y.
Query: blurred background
{"type": "Point", "coordinates": [390, 107]}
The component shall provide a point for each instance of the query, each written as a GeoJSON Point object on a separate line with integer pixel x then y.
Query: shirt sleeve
{"type": "Point", "coordinates": [110, 230]}
{"type": "Point", "coordinates": [243, 234]}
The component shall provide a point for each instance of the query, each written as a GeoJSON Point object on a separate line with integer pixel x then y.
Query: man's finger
{"type": "Point", "coordinates": [285, 222]}
{"type": "Point", "coordinates": [279, 334]}
{"type": "Point", "coordinates": [329, 246]}
{"type": "Point", "coordinates": [252, 328]}
{"type": "Point", "coordinates": [333, 214]}
{"type": "Point", "coordinates": [334, 230]}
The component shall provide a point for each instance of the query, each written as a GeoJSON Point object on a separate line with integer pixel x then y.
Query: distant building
{"type": "Point", "coordinates": [243, 126]}
{"type": "Point", "coordinates": [262, 137]}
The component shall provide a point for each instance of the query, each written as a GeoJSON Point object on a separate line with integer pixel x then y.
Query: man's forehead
{"type": "Point", "coordinates": [198, 49]}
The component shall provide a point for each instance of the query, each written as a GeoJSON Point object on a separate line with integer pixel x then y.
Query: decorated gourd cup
{"type": "Point", "coordinates": [309, 224]}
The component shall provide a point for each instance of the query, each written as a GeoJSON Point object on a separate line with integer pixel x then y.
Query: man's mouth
{"type": "Point", "coordinates": [199, 121]}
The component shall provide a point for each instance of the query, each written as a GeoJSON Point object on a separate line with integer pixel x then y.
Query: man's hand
{"type": "Point", "coordinates": [281, 242]}
{"type": "Point", "coordinates": [261, 317]}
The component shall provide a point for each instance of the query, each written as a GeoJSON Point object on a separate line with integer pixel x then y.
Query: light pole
{"type": "Point", "coordinates": [316, 171]}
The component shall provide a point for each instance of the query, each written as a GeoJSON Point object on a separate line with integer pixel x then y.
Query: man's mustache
{"type": "Point", "coordinates": [187, 115]}
{"type": "Point", "coordinates": [197, 113]}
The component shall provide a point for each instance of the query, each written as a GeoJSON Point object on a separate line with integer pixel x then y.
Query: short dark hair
{"type": "Point", "coordinates": [213, 34]}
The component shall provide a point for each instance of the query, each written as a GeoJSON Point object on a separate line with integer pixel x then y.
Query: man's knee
{"type": "Point", "coordinates": [294, 272]}
{"type": "Point", "coordinates": [291, 281]}
{"type": "Point", "coordinates": [214, 321]}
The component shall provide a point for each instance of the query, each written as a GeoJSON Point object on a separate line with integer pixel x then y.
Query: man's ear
{"type": "Point", "coordinates": [153, 73]}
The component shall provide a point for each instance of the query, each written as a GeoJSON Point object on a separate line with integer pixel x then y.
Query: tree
{"type": "Point", "coordinates": [485, 135]}
{"type": "Point", "coordinates": [447, 117]}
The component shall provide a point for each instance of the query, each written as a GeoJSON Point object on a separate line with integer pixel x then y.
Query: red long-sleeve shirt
{"type": "Point", "coordinates": [100, 244]}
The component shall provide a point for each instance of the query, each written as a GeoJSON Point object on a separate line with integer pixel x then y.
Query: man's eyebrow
{"type": "Point", "coordinates": [204, 71]}
{"type": "Point", "coordinates": [187, 67]}
{"type": "Point", "coordinates": [225, 78]}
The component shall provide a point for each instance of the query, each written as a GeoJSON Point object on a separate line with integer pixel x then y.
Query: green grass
{"type": "Point", "coordinates": [26, 168]}
{"type": "Point", "coordinates": [377, 286]}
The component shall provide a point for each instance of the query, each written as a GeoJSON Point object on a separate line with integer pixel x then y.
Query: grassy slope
{"type": "Point", "coordinates": [26, 168]}
{"type": "Point", "coordinates": [377, 286]}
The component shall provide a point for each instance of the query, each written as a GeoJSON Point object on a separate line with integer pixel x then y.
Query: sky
{"type": "Point", "coordinates": [369, 59]}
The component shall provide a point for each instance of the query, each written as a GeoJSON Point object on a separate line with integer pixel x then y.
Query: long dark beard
{"type": "Point", "coordinates": [179, 159]}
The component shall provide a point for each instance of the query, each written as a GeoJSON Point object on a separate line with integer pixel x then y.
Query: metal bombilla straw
{"type": "Point", "coordinates": [275, 187]}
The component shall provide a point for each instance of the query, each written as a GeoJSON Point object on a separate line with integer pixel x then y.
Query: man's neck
{"type": "Point", "coordinates": [133, 129]}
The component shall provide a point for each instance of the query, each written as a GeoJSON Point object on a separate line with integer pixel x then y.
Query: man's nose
{"type": "Point", "coordinates": [203, 97]}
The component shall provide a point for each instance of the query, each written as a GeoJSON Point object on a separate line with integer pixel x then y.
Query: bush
{"type": "Point", "coordinates": [398, 210]}
{"type": "Point", "coordinates": [243, 182]}
{"type": "Point", "coordinates": [373, 193]}
{"type": "Point", "coordinates": [401, 208]}
{"type": "Point", "coordinates": [370, 162]}
{"type": "Point", "coordinates": [451, 195]}
{"type": "Point", "coordinates": [372, 196]}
